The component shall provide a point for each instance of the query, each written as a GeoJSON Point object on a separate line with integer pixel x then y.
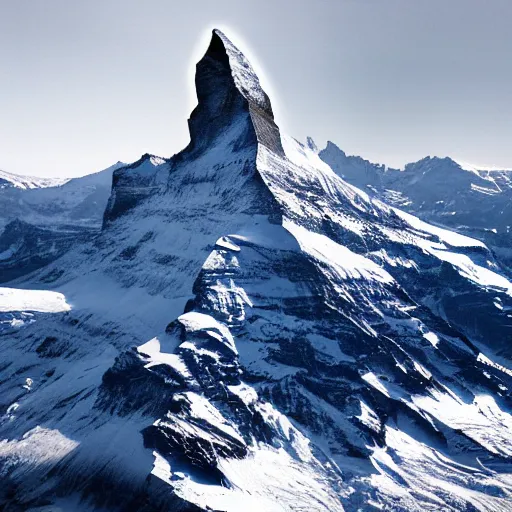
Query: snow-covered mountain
{"type": "Point", "coordinates": [53, 201]}
{"type": "Point", "coordinates": [251, 332]}
{"type": "Point", "coordinates": [41, 218]}
{"type": "Point", "coordinates": [473, 202]}
{"type": "Point", "coordinates": [9, 180]}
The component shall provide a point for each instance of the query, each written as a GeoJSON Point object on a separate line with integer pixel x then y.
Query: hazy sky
{"type": "Point", "coordinates": [87, 83]}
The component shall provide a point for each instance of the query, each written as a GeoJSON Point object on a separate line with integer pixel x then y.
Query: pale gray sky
{"type": "Point", "coordinates": [84, 84]}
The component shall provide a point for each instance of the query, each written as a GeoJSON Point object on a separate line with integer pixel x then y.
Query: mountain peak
{"type": "Point", "coordinates": [244, 76]}
{"type": "Point", "coordinates": [229, 90]}
{"type": "Point", "coordinates": [434, 163]}
{"type": "Point", "coordinates": [311, 144]}
{"type": "Point", "coordinates": [261, 333]}
{"type": "Point", "coordinates": [331, 147]}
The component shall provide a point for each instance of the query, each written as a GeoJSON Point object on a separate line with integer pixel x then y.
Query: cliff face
{"type": "Point", "coordinates": [233, 113]}
{"type": "Point", "coordinates": [249, 331]}
{"type": "Point", "coordinates": [227, 86]}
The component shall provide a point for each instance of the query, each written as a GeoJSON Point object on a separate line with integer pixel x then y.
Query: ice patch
{"type": "Point", "coordinates": [202, 409]}
{"type": "Point", "coordinates": [28, 384]}
{"type": "Point", "coordinates": [156, 357]}
{"type": "Point", "coordinates": [246, 393]}
{"type": "Point", "coordinates": [194, 321]}
{"type": "Point", "coordinates": [225, 243]}
{"type": "Point", "coordinates": [37, 447]}
{"type": "Point", "coordinates": [411, 473]}
{"type": "Point", "coordinates": [482, 420]}
{"type": "Point", "coordinates": [474, 272]}
{"type": "Point", "coordinates": [43, 301]}
{"type": "Point", "coordinates": [484, 359]}
{"type": "Point", "coordinates": [432, 337]}
{"type": "Point", "coordinates": [374, 381]}
{"type": "Point", "coordinates": [421, 369]}
{"type": "Point", "coordinates": [268, 480]}
{"type": "Point", "coordinates": [369, 417]}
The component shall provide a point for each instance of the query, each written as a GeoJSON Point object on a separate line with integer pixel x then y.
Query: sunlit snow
{"type": "Point", "coordinates": [43, 301]}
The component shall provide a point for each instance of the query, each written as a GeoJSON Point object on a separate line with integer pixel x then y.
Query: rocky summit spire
{"type": "Point", "coordinates": [229, 90]}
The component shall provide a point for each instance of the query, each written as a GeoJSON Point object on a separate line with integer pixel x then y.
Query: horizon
{"type": "Point", "coordinates": [466, 166]}
{"type": "Point", "coordinates": [70, 111]}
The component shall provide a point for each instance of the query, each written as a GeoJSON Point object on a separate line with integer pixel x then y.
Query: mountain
{"type": "Point", "coordinates": [10, 181]}
{"type": "Point", "coordinates": [249, 331]}
{"type": "Point", "coordinates": [55, 202]}
{"type": "Point", "coordinates": [477, 203]}
{"type": "Point", "coordinates": [41, 218]}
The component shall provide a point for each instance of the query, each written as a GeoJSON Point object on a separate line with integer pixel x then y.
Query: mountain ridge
{"type": "Point", "coordinates": [441, 191]}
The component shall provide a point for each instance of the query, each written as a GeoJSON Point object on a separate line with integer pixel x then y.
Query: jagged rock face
{"type": "Point", "coordinates": [218, 98]}
{"type": "Point", "coordinates": [438, 190]}
{"type": "Point", "coordinates": [310, 348]}
{"type": "Point", "coordinates": [227, 88]}
{"type": "Point", "coordinates": [248, 84]}
{"type": "Point", "coordinates": [354, 169]}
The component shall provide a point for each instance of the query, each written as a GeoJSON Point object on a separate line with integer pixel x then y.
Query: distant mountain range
{"type": "Point", "coordinates": [42, 218]}
{"type": "Point", "coordinates": [55, 202]}
{"type": "Point", "coordinates": [474, 202]}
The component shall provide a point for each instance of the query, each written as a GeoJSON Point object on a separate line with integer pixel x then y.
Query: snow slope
{"type": "Point", "coordinates": [12, 299]}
